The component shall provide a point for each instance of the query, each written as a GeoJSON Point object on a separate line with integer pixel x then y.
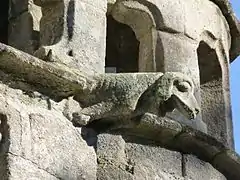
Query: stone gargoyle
{"type": "Point", "coordinates": [129, 95]}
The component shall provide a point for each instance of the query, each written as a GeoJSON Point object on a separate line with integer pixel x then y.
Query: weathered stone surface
{"type": "Point", "coordinates": [73, 33]}
{"type": "Point", "coordinates": [21, 168]}
{"type": "Point", "coordinates": [39, 140]}
{"type": "Point", "coordinates": [198, 143]}
{"type": "Point", "coordinates": [152, 162]}
{"type": "Point", "coordinates": [54, 79]}
{"type": "Point", "coordinates": [163, 130]}
{"type": "Point", "coordinates": [184, 56]}
{"type": "Point", "coordinates": [234, 26]}
{"type": "Point", "coordinates": [196, 169]}
{"type": "Point", "coordinates": [23, 26]}
{"type": "Point", "coordinates": [177, 17]}
{"type": "Point", "coordinates": [109, 95]}
{"type": "Point", "coordinates": [147, 55]}
{"type": "Point", "coordinates": [228, 162]}
{"type": "Point", "coordinates": [138, 16]}
{"type": "Point", "coordinates": [185, 60]}
{"type": "Point", "coordinates": [132, 157]}
{"type": "Point", "coordinates": [216, 111]}
{"type": "Point", "coordinates": [3, 167]}
{"type": "Point", "coordinates": [120, 159]}
{"type": "Point", "coordinates": [210, 18]}
{"type": "Point", "coordinates": [112, 160]}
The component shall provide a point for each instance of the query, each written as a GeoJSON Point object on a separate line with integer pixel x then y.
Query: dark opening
{"type": "Point", "coordinates": [122, 47]}
{"type": "Point", "coordinates": [4, 21]}
{"type": "Point", "coordinates": [208, 63]}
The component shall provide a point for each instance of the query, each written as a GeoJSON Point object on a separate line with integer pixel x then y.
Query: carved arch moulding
{"type": "Point", "coordinates": [213, 62]}
{"type": "Point", "coordinates": [141, 20]}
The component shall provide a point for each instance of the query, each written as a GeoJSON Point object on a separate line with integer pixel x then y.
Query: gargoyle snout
{"type": "Point", "coordinates": [187, 105]}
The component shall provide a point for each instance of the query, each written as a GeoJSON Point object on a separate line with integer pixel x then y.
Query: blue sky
{"type": "Point", "coordinates": [235, 86]}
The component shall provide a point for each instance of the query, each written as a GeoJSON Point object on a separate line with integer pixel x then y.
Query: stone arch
{"type": "Point", "coordinates": [122, 47]}
{"type": "Point", "coordinates": [140, 19]}
{"type": "Point", "coordinates": [214, 78]}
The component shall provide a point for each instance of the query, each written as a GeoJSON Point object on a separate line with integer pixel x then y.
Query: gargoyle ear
{"type": "Point", "coordinates": [165, 85]}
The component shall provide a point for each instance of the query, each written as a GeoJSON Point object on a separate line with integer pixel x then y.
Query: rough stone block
{"type": "Point", "coordinates": [151, 162]}
{"type": "Point", "coordinates": [118, 158]}
{"type": "Point", "coordinates": [112, 161]}
{"type": "Point", "coordinates": [21, 168]}
{"type": "Point", "coordinates": [37, 135]}
{"type": "Point", "coordinates": [111, 146]}
{"type": "Point", "coordinates": [199, 170]}
{"type": "Point", "coordinates": [74, 33]}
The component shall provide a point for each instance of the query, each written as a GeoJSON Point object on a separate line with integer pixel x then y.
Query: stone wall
{"type": "Point", "coordinates": [57, 53]}
{"type": "Point", "coordinates": [38, 141]}
{"type": "Point", "coordinates": [120, 158]}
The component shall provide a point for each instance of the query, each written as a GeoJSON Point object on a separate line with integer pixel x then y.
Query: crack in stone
{"type": "Point", "coordinates": [34, 164]}
{"type": "Point", "coordinates": [184, 173]}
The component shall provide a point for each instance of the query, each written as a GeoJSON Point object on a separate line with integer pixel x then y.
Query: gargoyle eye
{"type": "Point", "coordinates": [184, 86]}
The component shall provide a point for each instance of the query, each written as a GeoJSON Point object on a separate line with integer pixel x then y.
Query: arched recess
{"type": "Point", "coordinates": [4, 21]}
{"type": "Point", "coordinates": [122, 47]}
{"type": "Point", "coordinates": [213, 63]}
{"type": "Point", "coordinates": [140, 19]}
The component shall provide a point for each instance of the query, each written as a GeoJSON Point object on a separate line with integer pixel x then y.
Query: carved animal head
{"type": "Point", "coordinates": [176, 90]}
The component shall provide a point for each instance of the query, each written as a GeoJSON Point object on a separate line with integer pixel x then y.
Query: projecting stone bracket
{"type": "Point", "coordinates": [106, 96]}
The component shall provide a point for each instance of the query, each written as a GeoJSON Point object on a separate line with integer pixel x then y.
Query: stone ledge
{"type": "Point", "coordinates": [173, 135]}
{"type": "Point", "coordinates": [228, 162]}
{"type": "Point", "coordinates": [234, 26]}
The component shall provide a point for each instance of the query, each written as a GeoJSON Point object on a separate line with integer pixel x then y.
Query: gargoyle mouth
{"type": "Point", "coordinates": [188, 107]}
{"type": "Point", "coordinates": [167, 106]}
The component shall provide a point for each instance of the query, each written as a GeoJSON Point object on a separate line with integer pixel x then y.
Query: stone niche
{"type": "Point", "coordinates": [122, 47]}
{"type": "Point", "coordinates": [59, 50]}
